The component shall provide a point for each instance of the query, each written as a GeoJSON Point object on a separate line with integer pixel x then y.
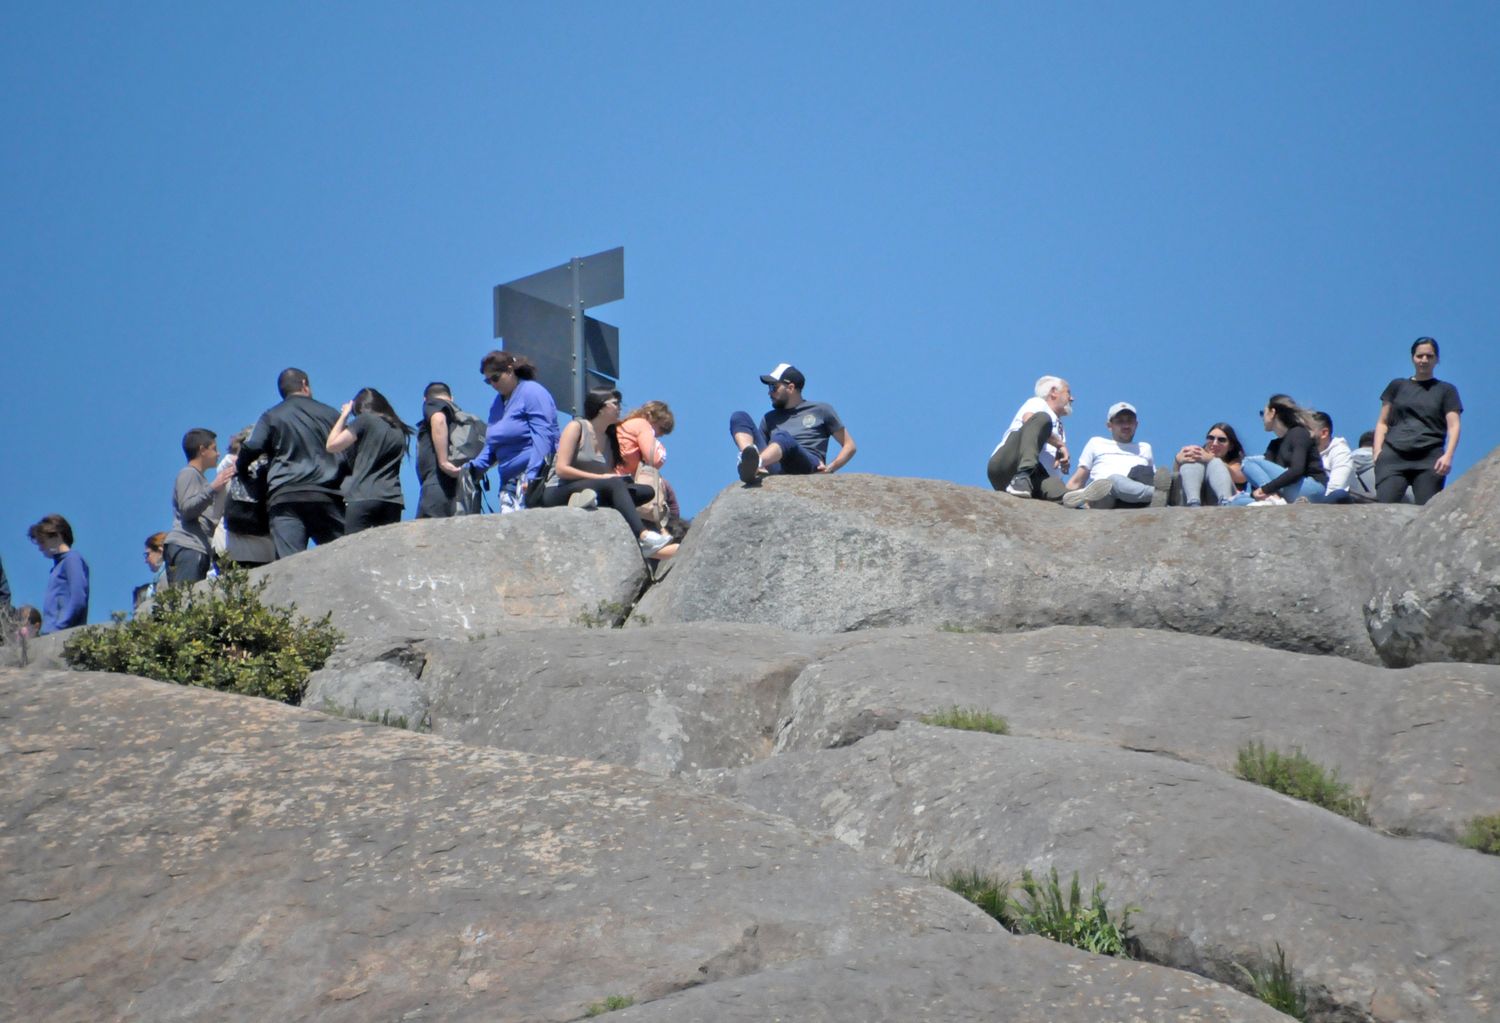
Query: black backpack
{"type": "Point", "coordinates": [245, 511]}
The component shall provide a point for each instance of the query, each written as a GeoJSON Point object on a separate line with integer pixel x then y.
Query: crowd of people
{"type": "Point", "coordinates": [1406, 456]}
{"type": "Point", "coordinates": [308, 473]}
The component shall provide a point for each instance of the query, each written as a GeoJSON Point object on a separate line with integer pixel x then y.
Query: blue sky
{"type": "Point", "coordinates": [1186, 206]}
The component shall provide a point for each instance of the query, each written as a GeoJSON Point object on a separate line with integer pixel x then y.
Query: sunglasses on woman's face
{"type": "Point", "coordinates": [1217, 440]}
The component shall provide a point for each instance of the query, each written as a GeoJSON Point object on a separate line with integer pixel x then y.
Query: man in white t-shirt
{"type": "Point", "coordinates": [1117, 466]}
{"type": "Point", "coordinates": [1032, 458]}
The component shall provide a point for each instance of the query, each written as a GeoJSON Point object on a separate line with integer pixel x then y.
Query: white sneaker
{"type": "Point", "coordinates": [1268, 501]}
{"type": "Point", "coordinates": [652, 542]}
{"type": "Point", "coordinates": [1092, 491]}
{"type": "Point", "coordinates": [583, 499]}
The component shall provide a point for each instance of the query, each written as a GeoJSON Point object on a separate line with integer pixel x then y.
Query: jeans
{"type": "Point", "coordinates": [795, 459]}
{"type": "Point", "coordinates": [1123, 488]}
{"type": "Point", "coordinates": [1260, 470]}
{"type": "Point", "coordinates": [361, 515]}
{"type": "Point", "coordinates": [294, 523]}
{"type": "Point", "coordinates": [185, 566]}
{"type": "Point", "coordinates": [1220, 482]}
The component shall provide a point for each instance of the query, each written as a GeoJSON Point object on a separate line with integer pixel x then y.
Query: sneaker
{"type": "Point", "coordinates": [583, 499]}
{"type": "Point", "coordinates": [651, 542]}
{"type": "Point", "coordinates": [749, 467]}
{"type": "Point", "coordinates": [1091, 491]}
{"type": "Point", "coordinates": [1268, 501]}
{"type": "Point", "coordinates": [1020, 486]}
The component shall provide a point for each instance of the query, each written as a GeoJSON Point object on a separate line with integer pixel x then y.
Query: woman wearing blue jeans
{"type": "Point", "coordinates": [1291, 467]}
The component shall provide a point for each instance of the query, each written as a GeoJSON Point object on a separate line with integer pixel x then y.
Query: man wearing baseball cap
{"type": "Point", "coordinates": [793, 437]}
{"type": "Point", "coordinates": [1114, 471]}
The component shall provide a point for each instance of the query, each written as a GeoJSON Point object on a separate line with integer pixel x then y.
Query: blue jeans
{"type": "Point", "coordinates": [1260, 470]}
{"type": "Point", "coordinates": [795, 460]}
{"type": "Point", "coordinates": [1123, 488]}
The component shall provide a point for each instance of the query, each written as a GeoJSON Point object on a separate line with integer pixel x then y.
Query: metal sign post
{"type": "Point", "coordinates": [542, 317]}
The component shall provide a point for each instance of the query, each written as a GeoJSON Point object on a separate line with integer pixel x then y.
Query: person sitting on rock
{"type": "Point", "coordinates": [585, 475]}
{"type": "Point", "coordinates": [1115, 471]}
{"type": "Point", "coordinates": [1337, 459]}
{"type": "Point", "coordinates": [1290, 468]}
{"type": "Point", "coordinates": [1214, 465]}
{"type": "Point", "coordinates": [1031, 459]}
{"type": "Point", "coordinates": [1362, 459]}
{"type": "Point", "coordinates": [791, 438]}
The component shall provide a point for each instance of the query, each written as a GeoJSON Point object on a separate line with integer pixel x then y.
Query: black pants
{"type": "Point", "coordinates": [294, 523]}
{"type": "Point", "coordinates": [1019, 455]}
{"type": "Point", "coordinates": [360, 515]}
{"type": "Point", "coordinates": [185, 566]}
{"type": "Point", "coordinates": [617, 492]}
{"type": "Point", "coordinates": [1394, 472]}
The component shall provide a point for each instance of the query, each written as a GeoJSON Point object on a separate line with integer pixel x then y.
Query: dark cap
{"type": "Point", "coordinates": [785, 373]}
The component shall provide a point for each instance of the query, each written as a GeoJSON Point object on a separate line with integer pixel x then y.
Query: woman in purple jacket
{"type": "Point", "coordinates": [522, 433]}
{"type": "Point", "coordinates": [65, 602]}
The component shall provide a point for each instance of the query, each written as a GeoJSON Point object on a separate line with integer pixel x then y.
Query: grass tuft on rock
{"type": "Point", "coordinates": [1293, 774]}
{"type": "Point", "coordinates": [1045, 909]}
{"type": "Point", "coordinates": [609, 1004]}
{"type": "Point", "coordinates": [218, 636]}
{"type": "Point", "coordinates": [1277, 986]}
{"type": "Point", "coordinates": [971, 719]}
{"type": "Point", "coordinates": [1483, 834]}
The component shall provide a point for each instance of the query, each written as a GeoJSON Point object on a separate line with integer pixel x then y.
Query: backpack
{"type": "Point", "coordinates": [465, 436]}
{"type": "Point", "coordinates": [245, 510]}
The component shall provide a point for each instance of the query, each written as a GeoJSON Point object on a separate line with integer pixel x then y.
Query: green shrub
{"type": "Point", "coordinates": [219, 636]}
{"type": "Point", "coordinates": [989, 893]}
{"type": "Point", "coordinates": [1277, 986]}
{"type": "Point", "coordinates": [610, 1004]}
{"type": "Point", "coordinates": [1070, 921]}
{"type": "Point", "coordinates": [972, 719]}
{"type": "Point", "coordinates": [1044, 910]}
{"type": "Point", "coordinates": [1293, 774]}
{"type": "Point", "coordinates": [1483, 833]}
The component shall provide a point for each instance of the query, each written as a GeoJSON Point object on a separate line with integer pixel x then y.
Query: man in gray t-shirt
{"type": "Point", "coordinates": [793, 437]}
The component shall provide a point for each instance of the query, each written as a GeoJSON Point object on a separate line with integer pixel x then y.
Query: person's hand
{"type": "Point", "coordinates": [1258, 494]}
{"type": "Point", "coordinates": [224, 475]}
{"type": "Point", "coordinates": [821, 468]}
{"type": "Point", "coordinates": [346, 408]}
{"type": "Point", "coordinates": [1443, 465]}
{"type": "Point", "coordinates": [450, 469]}
{"type": "Point", "coordinates": [1062, 457]}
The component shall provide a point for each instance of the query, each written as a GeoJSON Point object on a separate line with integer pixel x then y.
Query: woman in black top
{"type": "Point", "coordinates": [1293, 451]}
{"type": "Point", "coordinates": [372, 493]}
{"type": "Point", "coordinates": [1417, 432]}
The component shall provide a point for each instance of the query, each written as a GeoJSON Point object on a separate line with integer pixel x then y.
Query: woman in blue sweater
{"type": "Point", "coordinates": [522, 433]}
{"type": "Point", "coordinates": [65, 603]}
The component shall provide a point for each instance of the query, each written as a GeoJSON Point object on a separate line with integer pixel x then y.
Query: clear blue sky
{"type": "Point", "coordinates": [924, 207]}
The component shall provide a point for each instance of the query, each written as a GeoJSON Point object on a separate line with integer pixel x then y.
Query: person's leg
{"type": "Point", "coordinates": [1019, 455]}
{"type": "Point", "coordinates": [1220, 482]}
{"type": "Point", "coordinates": [1260, 470]}
{"type": "Point", "coordinates": [1047, 486]}
{"type": "Point", "coordinates": [185, 566]}
{"type": "Point", "coordinates": [1305, 487]}
{"type": "Point", "coordinates": [556, 497]}
{"type": "Point", "coordinates": [1425, 485]}
{"type": "Point", "coordinates": [1005, 462]}
{"type": "Point", "coordinates": [1390, 479]}
{"type": "Point", "coordinates": [615, 493]}
{"type": "Point", "coordinates": [288, 533]}
{"type": "Point", "coordinates": [792, 458]}
{"type": "Point", "coordinates": [1192, 475]}
{"type": "Point", "coordinates": [360, 515]}
{"type": "Point", "coordinates": [1130, 491]}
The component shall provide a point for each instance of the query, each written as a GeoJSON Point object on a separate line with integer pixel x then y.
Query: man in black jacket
{"type": "Point", "coordinates": [303, 479]}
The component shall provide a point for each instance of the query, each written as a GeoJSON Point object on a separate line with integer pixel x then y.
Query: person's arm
{"type": "Point", "coordinates": [847, 448]}
{"type": "Point", "coordinates": [540, 416]}
{"type": "Point", "coordinates": [1078, 479]}
{"type": "Point", "coordinates": [194, 495]}
{"type": "Point", "coordinates": [567, 450]}
{"type": "Point", "coordinates": [437, 428]}
{"type": "Point", "coordinates": [1381, 426]}
{"type": "Point", "coordinates": [341, 438]}
{"type": "Point", "coordinates": [1236, 473]}
{"type": "Point", "coordinates": [255, 445]}
{"type": "Point", "coordinates": [1190, 453]}
{"type": "Point", "coordinates": [1297, 459]}
{"type": "Point", "coordinates": [1444, 463]}
{"type": "Point", "coordinates": [75, 603]}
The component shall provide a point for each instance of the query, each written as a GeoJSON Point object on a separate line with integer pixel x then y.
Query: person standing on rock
{"type": "Point", "coordinates": [522, 431]}
{"type": "Point", "coordinates": [1117, 468]}
{"type": "Point", "coordinates": [303, 496]}
{"type": "Point", "coordinates": [791, 438]}
{"type": "Point", "coordinates": [1417, 433]}
{"type": "Point", "coordinates": [65, 601]}
{"type": "Point", "coordinates": [189, 543]}
{"type": "Point", "coordinates": [1031, 459]}
{"type": "Point", "coordinates": [372, 492]}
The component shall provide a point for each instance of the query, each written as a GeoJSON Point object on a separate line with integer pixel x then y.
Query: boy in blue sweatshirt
{"type": "Point", "coordinates": [65, 603]}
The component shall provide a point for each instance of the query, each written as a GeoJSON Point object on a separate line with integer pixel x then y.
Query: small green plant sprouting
{"type": "Point", "coordinates": [1277, 986]}
{"type": "Point", "coordinates": [218, 636]}
{"type": "Point", "coordinates": [607, 614]}
{"type": "Point", "coordinates": [972, 719]}
{"type": "Point", "coordinates": [609, 1004]}
{"type": "Point", "coordinates": [1293, 774]}
{"type": "Point", "coordinates": [1483, 834]}
{"type": "Point", "coordinates": [1071, 922]}
{"type": "Point", "coordinates": [1045, 911]}
{"type": "Point", "coordinates": [989, 893]}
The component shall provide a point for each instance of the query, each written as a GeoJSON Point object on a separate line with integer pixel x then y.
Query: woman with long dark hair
{"type": "Point", "coordinates": [585, 472]}
{"type": "Point", "coordinates": [1293, 452]}
{"type": "Point", "coordinates": [372, 493]}
{"type": "Point", "coordinates": [522, 433]}
{"type": "Point", "coordinates": [1217, 462]}
{"type": "Point", "coordinates": [1417, 432]}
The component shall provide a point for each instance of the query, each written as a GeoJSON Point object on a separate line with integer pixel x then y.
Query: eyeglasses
{"type": "Point", "coordinates": [493, 377]}
{"type": "Point", "coordinates": [1211, 439]}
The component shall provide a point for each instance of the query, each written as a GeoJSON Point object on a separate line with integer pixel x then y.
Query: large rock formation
{"type": "Point", "coordinates": [1379, 928]}
{"type": "Point", "coordinates": [1437, 592]}
{"type": "Point", "coordinates": [474, 575]}
{"type": "Point", "coordinates": [831, 554]}
{"type": "Point", "coordinates": [176, 854]}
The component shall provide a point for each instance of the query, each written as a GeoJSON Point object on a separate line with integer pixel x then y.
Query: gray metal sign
{"type": "Point", "coordinates": [541, 316]}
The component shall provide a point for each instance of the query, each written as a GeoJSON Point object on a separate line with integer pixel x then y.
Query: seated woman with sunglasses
{"type": "Point", "coordinates": [1215, 463]}
{"type": "Point", "coordinates": [585, 471]}
{"type": "Point", "coordinates": [1291, 467]}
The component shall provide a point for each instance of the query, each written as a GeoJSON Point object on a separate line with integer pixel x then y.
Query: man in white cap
{"type": "Point", "coordinates": [1115, 471]}
{"type": "Point", "coordinates": [793, 437]}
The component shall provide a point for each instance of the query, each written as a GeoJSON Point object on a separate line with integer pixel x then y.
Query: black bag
{"type": "Point", "coordinates": [245, 512]}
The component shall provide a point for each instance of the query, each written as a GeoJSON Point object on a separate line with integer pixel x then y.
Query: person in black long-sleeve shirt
{"type": "Point", "coordinates": [303, 480]}
{"type": "Point", "coordinates": [1293, 452]}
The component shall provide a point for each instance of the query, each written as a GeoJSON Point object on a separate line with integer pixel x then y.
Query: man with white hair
{"type": "Point", "coordinates": [1032, 457]}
